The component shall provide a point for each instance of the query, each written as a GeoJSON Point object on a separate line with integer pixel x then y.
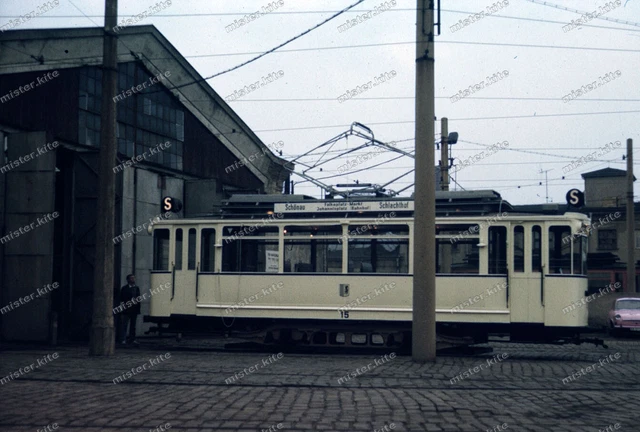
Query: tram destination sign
{"type": "Point", "coordinates": [343, 206]}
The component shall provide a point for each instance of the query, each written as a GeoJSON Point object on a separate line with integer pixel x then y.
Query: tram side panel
{"type": "Point", "coordinates": [160, 302]}
{"type": "Point", "coordinates": [340, 296]}
{"type": "Point", "coordinates": [563, 299]}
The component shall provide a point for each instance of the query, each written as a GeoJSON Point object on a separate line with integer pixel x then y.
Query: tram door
{"type": "Point", "coordinates": [526, 275]}
{"type": "Point", "coordinates": [185, 270]}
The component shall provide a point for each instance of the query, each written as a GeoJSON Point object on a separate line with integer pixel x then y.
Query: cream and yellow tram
{"type": "Point", "coordinates": [340, 272]}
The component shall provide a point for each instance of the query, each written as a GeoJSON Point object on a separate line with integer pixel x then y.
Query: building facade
{"type": "Point", "coordinates": [177, 138]}
{"type": "Point", "coordinates": [605, 194]}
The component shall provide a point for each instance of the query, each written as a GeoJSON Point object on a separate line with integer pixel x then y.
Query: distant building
{"type": "Point", "coordinates": [605, 193]}
{"type": "Point", "coordinates": [176, 138]}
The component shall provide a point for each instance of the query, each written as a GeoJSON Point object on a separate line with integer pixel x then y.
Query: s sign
{"type": "Point", "coordinates": [170, 204]}
{"type": "Point", "coordinates": [575, 198]}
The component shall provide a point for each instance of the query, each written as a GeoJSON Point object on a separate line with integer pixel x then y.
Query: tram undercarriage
{"type": "Point", "coordinates": [363, 334]}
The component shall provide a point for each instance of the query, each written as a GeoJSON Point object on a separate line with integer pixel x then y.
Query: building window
{"type": "Point", "coordinates": [637, 239]}
{"type": "Point", "coordinates": [126, 139]}
{"type": "Point", "coordinates": [150, 121]}
{"type": "Point", "coordinates": [607, 239]}
{"type": "Point", "coordinates": [90, 102]}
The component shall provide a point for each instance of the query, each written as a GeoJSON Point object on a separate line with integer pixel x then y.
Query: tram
{"type": "Point", "coordinates": [339, 272]}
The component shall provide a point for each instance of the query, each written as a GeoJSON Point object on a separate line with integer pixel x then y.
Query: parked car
{"type": "Point", "coordinates": [625, 315]}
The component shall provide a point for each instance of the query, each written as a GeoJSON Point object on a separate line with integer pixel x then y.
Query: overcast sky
{"type": "Point", "coordinates": [525, 38]}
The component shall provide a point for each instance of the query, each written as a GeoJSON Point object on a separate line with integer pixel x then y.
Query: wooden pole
{"type": "Point", "coordinates": [102, 332]}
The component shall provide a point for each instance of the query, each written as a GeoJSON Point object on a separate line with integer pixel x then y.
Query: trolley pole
{"type": "Point", "coordinates": [424, 246]}
{"type": "Point", "coordinates": [102, 332]}
{"type": "Point", "coordinates": [631, 261]}
{"type": "Point", "coordinates": [444, 153]}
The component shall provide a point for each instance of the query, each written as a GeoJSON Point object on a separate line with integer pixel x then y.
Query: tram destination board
{"type": "Point", "coordinates": [343, 206]}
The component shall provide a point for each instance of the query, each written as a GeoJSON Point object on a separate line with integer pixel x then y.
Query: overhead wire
{"type": "Point", "coordinates": [393, 10]}
{"type": "Point", "coordinates": [314, 49]}
{"type": "Point", "coordinates": [452, 119]}
{"type": "Point", "coordinates": [309, 30]}
{"type": "Point", "coordinates": [437, 97]}
{"type": "Point", "coordinates": [600, 17]}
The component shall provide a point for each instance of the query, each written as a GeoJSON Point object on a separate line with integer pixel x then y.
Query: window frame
{"type": "Point", "coordinates": [243, 238]}
{"type": "Point", "coordinates": [556, 260]}
{"type": "Point", "coordinates": [615, 242]}
{"type": "Point", "coordinates": [210, 253]}
{"type": "Point", "coordinates": [519, 261]}
{"type": "Point", "coordinates": [465, 234]}
{"type": "Point", "coordinates": [165, 249]}
{"type": "Point", "coordinates": [376, 236]}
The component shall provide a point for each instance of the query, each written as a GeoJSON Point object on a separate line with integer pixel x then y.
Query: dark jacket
{"type": "Point", "coordinates": [130, 297]}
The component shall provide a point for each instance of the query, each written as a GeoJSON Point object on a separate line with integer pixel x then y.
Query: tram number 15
{"type": "Point", "coordinates": [344, 314]}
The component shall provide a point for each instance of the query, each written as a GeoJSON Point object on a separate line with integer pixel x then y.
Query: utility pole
{"type": "Point", "coordinates": [546, 183]}
{"type": "Point", "coordinates": [424, 243]}
{"type": "Point", "coordinates": [102, 331]}
{"type": "Point", "coordinates": [444, 153]}
{"type": "Point", "coordinates": [631, 261]}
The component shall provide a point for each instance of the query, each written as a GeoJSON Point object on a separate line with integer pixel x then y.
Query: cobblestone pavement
{"type": "Point", "coordinates": [514, 388]}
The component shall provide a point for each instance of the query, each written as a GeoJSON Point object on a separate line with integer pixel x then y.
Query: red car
{"type": "Point", "coordinates": [625, 315]}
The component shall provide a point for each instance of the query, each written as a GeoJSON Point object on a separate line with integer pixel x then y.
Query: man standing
{"type": "Point", "coordinates": [130, 298]}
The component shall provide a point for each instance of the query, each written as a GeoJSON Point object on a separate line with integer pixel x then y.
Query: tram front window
{"type": "Point", "coordinates": [560, 249]}
{"type": "Point", "coordinates": [161, 249]}
{"type": "Point", "coordinates": [580, 255]}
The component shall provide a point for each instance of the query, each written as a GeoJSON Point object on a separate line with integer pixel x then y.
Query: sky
{"type": "Point", "coordinates": [535, 56]}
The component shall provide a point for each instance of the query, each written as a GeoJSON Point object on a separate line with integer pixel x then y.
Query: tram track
{"type": "Point", "coordinates": [635, 387]}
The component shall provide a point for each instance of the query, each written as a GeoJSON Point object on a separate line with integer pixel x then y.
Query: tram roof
{"type": "Point", "coordinates": [448, 203]}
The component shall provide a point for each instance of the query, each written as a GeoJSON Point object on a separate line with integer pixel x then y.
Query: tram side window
{"type": "Point", "coordinates": [518, 248]}
{"type": "Point", "coordinates": [560, 249]}
{"type": "Point", "coordinates": [313, 249]}
{"type": "Point", "coordinates": [378, 249]}
{"type": "Point", "coordinates": [207, 250]}
{"type": "Point", "coordinates": [249, 249]}
{"type": "Point", "coordinates": [161, 249]}
{"type": "Point", "coordinates": [178, 260]}
{"type": "Point", "coordinates": [497, 250]}
{"type": "Point", "coordinates": [458, 257]}
{"type": "Point", "coordinates": [536, 249]}
{"type": "Point", "coordinates": [457, 248]}
{"type": "Point", "coordinates": [191, 251]}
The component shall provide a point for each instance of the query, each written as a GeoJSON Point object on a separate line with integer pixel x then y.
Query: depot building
{"type": "Point", "coordinates": [181, 151]}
